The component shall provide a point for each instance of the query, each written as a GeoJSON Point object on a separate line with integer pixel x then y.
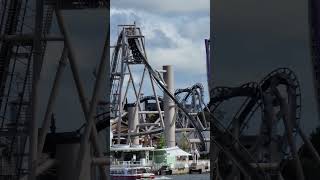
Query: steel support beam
{"type": "Point", "coordinates": [287, 120]}
{"type": "Point", "coordinates": [120, 91]}
{"type": "Point", "coordinates": [150, 112]}
{"type": "Point", "coordinates": [148, 124]}
{"type": "Point", "coordinates": [90, 129]}
{"type": "Point", "coordinates": [37, 56]}
{"type": "Point", "coordinates": [157, 100]}
{"type": "Point", "coordinates": [53, 94]}
{"type": "Point", "coordinates": [308, 143]}
{"type": "Point", "coordinates": [46, 165]}
{"type": "Point", "coordinates": [28, 38]}
{"type": "Point", "coordinates": [159, 130]}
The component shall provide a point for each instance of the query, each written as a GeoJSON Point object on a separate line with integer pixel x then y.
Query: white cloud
{"type": "Point", "coordinates": [164, 6]}
{"type": "Point", "coordinates": [187, 33]}
{"type": "Point", "coordinates": [171, 39]}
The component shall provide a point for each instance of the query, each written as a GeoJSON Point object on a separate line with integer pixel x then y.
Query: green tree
{"type": "Point", "coordinates": [184, 143]}
{"type": "Point", "coordinates": [162, 142]}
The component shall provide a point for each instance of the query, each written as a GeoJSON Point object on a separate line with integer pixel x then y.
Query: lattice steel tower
{"type": "Point", "coordinates": [24, 32]}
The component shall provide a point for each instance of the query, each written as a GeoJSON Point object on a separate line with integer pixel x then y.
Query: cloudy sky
{"type": "Point", "coordinates": [174, 34]}
{"type": "Point", "coordinates": [252, 38]}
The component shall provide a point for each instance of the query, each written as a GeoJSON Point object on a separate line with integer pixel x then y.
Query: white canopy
{"type": "Point", "coordinates": [127, 148]}
{"type": "Point", "coordinates": [175, 151]}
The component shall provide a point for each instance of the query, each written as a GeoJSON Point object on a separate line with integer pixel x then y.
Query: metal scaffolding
{"type": "Point", "coordinates": [24, 33]}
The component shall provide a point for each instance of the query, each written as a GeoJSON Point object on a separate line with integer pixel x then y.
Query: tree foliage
{"type": "Point", "coordinates": [162, 142]}
{"type": "Point", "coordinates": [184, 143]}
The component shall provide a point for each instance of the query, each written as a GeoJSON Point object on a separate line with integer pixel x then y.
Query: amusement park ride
{"type": "Point", "coordinates": [171, 112]}
{"type": "Point", "coordinates": [143, 120]}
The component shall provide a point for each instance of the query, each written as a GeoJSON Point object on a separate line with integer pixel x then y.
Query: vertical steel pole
{"type": "Point", "coordinates": [169, 108]}
{"type": "Point", "coordinates": [52, 99]}
{"type": "Point", "coordinates": [35, 81]}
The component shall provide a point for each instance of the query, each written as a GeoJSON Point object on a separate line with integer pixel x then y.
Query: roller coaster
{"type": "Point", "coordinates": [259, 154]}
{"type": "Point", "coordinates": [130, 51]}
{"type": "Point", "coordinates": [196, 94]}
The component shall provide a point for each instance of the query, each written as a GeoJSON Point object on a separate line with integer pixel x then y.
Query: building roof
{"type": "Point", "coordinates": [175, 151]}
{"type": "Point", "coordinates": [128, 148]}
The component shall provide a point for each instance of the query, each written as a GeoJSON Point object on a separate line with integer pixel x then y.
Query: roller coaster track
{"type": "Point", "coordinates": [253, 93]}
{"type": "Point", "coordinates": [288, 78]}
{"type": "Point", "coordinates": [223, 136]}
{"type": "Point", "coordinates": [179, 115]}
{"type": "Point", "coordinates": [252, 102]}
{"type": "Point", "coordinates": [196, 93]}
